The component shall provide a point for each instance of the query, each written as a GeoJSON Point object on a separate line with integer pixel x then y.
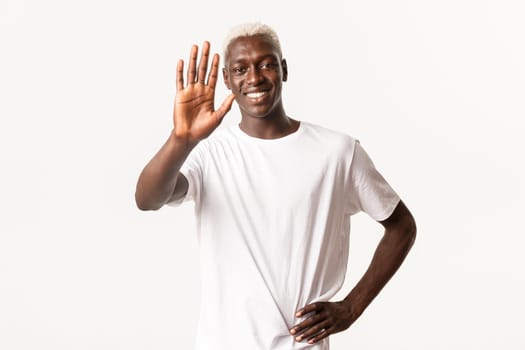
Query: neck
{"type": "Point", "coordinates": [272, 126]}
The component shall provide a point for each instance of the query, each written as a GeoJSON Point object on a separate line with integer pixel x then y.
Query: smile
{"type": "Point", "coordinates": [256, 95]}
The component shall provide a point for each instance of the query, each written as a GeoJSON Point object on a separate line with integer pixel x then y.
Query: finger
{"type": "Point", "coordinates": [192, 64]}
{"type": "Point", "coordinates": [212, 78]}
{"type": "Point", "coordinates": [203, 64]}
{"type": "Point", "coordinates": [180, 71]}
{"type": "Point", "coordinates": [323, 334]}
{"type": "Point", "coordinates": [313, 331]}
{"type": "Point", "coordinates": [225, 107]}
{"type": "Point", "coordinates": [309, 322]}
{"type": "Point", "coordinates": [309, 308]}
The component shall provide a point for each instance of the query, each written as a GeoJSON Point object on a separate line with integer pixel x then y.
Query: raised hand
{"type": "Point", "coordinates": [194, 114]}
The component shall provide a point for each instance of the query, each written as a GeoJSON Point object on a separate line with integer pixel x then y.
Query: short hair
{"type": "Point", "coordinates": [251, 29]}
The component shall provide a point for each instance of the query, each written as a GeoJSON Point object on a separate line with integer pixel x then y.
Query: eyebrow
{"type": "Point", "coordinates": [261, 58]}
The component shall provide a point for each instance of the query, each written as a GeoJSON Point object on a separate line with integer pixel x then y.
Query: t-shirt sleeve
{"type": "Point", "coordinates": [367, 190]}
{"type": "Point", "coordinates": [193, 170]}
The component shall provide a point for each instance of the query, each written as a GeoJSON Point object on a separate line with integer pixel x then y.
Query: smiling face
{"type": "Point", "coordinates": [254, 72]}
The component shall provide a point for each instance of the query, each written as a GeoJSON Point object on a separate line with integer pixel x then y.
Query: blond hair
{"type": "Point", "coordinates": [251, 29]}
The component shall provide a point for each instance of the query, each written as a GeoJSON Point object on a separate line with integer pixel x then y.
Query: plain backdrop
{"type": "Point", "coordinates": [434, 90]}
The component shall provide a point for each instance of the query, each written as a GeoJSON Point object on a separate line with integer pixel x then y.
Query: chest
{"type": "Point", "coordinates": [274, 179]}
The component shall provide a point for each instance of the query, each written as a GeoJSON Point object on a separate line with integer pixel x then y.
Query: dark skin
{"type": "Point", "coordinates": [254, 65]}
{"type": "Point", "coordinates": [254, 71]}
{"type": "Point", "coordinates": [326, 318]}
{"type": "Point", "coordinates": [194, 119]}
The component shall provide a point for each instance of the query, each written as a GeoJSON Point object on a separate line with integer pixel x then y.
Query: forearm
{"type": "Point", "coordinates": [390, 253]}
{"type": "Point", "coordinates": [158, 179]}
{"type": "Point", "coordinates": [331, 317]}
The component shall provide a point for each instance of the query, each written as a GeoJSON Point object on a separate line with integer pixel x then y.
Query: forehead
{"type": "Point", "coordinates": [250, 47]}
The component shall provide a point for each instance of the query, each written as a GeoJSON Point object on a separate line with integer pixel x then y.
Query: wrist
{"type": "Point", "coordinates": [354, 304]}
{"type": "Point", "coordinates": [350, 311]}
{"type": "Point", "coordinates": [184, 141]}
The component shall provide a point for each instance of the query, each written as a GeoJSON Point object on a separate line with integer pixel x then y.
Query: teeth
{"type": "Point", "coordinates": [255, 94]}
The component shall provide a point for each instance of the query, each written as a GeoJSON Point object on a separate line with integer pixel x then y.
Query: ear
{"type": "Point", "coordinates": [226, 78]}
{"type": "Point", "coordinates": [285, 69]}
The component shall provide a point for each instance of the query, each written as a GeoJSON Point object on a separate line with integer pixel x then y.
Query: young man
{"type": "Point", "coordinates": [273, 199]}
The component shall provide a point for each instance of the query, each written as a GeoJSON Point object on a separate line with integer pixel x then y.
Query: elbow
{"type": "Point", "coordinates": [412, 233]}
{"type": "Point", "coordinates": [144, 207]}
{"type": "Point", "coordinates": [409, 231]}
{"type": "Point", "coordinates": [403, 231]}
{"type": "Point", "coordinates": [407, 227]}
{"type": "Point", "coordinates": [144, 204]}
{"type": "Point", "coordinates": [401, 226]}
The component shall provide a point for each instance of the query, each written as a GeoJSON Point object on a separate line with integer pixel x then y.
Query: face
{"type": "Point", "coordinates": [254, 72]}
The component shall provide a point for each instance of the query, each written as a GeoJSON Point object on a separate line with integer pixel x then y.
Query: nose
{"type": "Point", "coordinates": [254, 76]}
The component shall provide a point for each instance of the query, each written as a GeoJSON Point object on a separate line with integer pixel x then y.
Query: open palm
{"type": "Point", "coordinates": [194, 114]}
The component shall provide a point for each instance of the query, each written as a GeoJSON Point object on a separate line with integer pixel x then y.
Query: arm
{"type": "Point", "coordinates": [160, 180]}
{"type": "Point", "coordinates": [333, 317]}
{"type": "Point", "coordinates": [194, 119]}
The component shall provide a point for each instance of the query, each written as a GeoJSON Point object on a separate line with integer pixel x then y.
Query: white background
{"type": "Point", "coordinates": [433, 89]}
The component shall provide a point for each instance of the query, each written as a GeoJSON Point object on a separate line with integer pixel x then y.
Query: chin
{"type": "Point", "coordinates": [260, 111]}
{"type": "Point", "coordinates": [257, 115]}
{"type": "Point", "coordinates": [255, 112]}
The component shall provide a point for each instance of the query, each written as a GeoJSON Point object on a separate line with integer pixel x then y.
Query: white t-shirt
{"type": "Point", "coordinates": [273, 224]}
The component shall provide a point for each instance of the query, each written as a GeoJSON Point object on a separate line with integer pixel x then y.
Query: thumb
{"type": "Point", "coordinates": [225, 107]}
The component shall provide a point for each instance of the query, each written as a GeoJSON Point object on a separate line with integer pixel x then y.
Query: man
{"type": "Point", "coordinates": [273, 199]}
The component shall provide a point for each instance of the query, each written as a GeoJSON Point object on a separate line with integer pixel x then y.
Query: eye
{"type": "Point", "coordinates": [237, 70]}
{"type": "Point", "coordinates": [268, 65]}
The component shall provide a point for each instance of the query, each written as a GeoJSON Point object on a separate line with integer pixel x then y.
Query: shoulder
{"type": "Point", "coordinates": [329, 137]}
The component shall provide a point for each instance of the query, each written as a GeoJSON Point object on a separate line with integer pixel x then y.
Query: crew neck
{"type": "Point", "coordinates": [239, 132]}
